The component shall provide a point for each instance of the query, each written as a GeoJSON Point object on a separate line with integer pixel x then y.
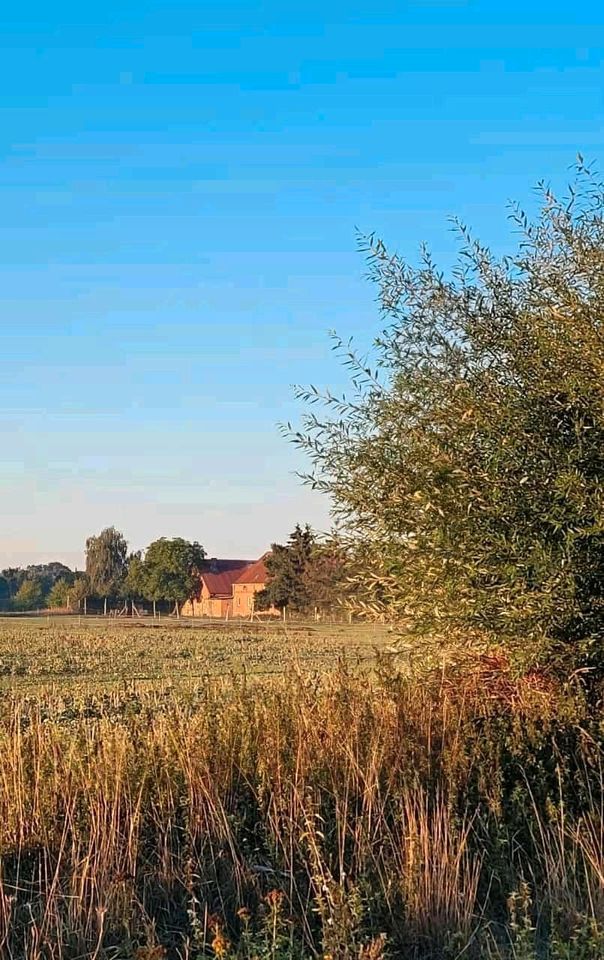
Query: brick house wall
{"type": "Point", "coordinates": [243, 598]}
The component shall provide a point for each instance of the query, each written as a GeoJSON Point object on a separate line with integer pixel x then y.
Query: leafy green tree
{"type": "Point", "coordinates": [106, 563]}
{"type": "Point", "coordinates": [171, 570]}
{"type": "Point", "coordinates": [49, 573]}
{"type": "Point", "coordinates": [59, 593]}
{"type": "Point", "coordinates": [467, 463]}
{"type": "Point", "coordinates": [287, 565]}
{"type": "Point", "coordinates": [78, 592]}
{"type": "Point", "coordinates": [46, 573]}
{"type": "Point", "coordinates": [135, 583]}
{"type": "Point", "coordinates": [29, 596]}
{"type": "Point", "coordinates": [14, 577]}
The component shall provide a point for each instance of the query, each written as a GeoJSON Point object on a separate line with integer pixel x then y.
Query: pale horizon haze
{"type": "Point", "coordinates": [181, 189]}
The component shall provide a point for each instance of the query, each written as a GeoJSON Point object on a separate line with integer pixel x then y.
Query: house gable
{"type": "Point", "coordinates": [228, 587]}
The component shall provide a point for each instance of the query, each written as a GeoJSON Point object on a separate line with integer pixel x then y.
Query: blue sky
{"type": "Point", "coordinates": [180, 189]}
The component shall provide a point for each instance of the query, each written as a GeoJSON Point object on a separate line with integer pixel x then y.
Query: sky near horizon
{"type": "Point", "coordinates": [181, 185]}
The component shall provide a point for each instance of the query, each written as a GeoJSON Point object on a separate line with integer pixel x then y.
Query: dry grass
{"type": "Point", "coordinates": [346, 815]}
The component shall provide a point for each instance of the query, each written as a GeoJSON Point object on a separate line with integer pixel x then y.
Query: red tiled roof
{"type": "Point", "coordinates": [254, 573]}
{"type": "Point", "coordinates": [220, 575]}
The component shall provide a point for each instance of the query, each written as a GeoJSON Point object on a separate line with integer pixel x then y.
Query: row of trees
{"type": "Point", "coordinates": [167, 573]}
{"type": "Point", "coordinates": [466, 465]}
{"type": "Point", "coordinates": [33, 587]}
{"type": "Point", "coordinates": [306, 574]}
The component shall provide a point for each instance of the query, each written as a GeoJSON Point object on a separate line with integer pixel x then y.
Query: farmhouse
{"type": "Point", "coordinates": [215, 597]}
{"type": "Point", "coordinates": [252, 580]}
{"type": "Point", "coordinates": [227, 588]}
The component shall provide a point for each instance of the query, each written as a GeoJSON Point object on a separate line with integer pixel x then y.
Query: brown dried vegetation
{"type": "Point", "coordinates": [340, 816]}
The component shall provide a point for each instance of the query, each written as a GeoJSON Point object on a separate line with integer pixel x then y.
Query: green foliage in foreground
{"type": "Point", "coordinates": [468, 463]}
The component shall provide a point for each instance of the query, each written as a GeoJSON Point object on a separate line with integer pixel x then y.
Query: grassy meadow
{"type": "Point", "coordinates": [246, 791]}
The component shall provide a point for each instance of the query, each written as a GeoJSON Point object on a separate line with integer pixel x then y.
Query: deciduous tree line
{"type": "Point", "coordinates": [168, 572]}
{"type": "Point", "coordinates": [35, 586]}
{"type": "Point", "coordinates": [307, 574]}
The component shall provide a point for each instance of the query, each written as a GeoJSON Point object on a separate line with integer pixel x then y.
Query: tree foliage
{"type": "Point", "coordinates": [78, 592]}
{"type": "Point", "coordinates": [306, 573]}
{"type": "Point", "coordinates": [286, 565]}
{"type": "Point", "coordinates": [58, 596]}
{"type": "Point", "coordinates": [30, 595]}
{"type": "Point", "coordinates": [46, 574]}
{"type": "Point", "coordinates": [13, 576]}
{"type": "Point", "coordinates": [467, 464]}
{"type": "Point", "coordinates": [326, 578]}
{"type": "Point", "coordinates": [170, 570]}
{"type": "Point", "coordinates": [135, 583]}
{"type": "Point", "coordinates": [106, 562]}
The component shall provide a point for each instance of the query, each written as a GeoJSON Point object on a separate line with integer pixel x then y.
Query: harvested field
{"type": "Point", "coordinates": [100, 652]}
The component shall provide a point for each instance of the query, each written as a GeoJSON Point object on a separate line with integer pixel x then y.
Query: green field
{"type": "Point", "coordinates": [100, 652]}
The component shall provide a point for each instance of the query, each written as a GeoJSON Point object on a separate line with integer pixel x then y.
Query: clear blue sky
{"type": "Point", "coordinates": [180, 188]}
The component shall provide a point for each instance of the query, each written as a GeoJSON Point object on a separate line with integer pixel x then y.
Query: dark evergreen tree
{"type": "Point", "coordinates": [287, 565]}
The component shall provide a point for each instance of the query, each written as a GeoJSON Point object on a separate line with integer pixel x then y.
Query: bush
{"type": "Point", "coordinates": [468, 465]}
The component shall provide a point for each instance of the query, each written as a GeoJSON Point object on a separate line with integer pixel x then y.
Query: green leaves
{"type": "Point", "coordinates": [470, 473]}
{"type": "Point", "coordinates": [170, 570]}
{"type": "Point", "coordinates": [29, 596]}
{"type": "Point", "coordinates": [106, 564]}
{"type": "Point", "coordinates": [287, 566]}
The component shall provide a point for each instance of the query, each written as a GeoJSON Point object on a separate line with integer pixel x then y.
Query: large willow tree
{"type": "Point", "coordinates": [467, 462]}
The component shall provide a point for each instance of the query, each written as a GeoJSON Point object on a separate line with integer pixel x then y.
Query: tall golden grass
{"type": "Point", "coordinates": [340, 817]}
